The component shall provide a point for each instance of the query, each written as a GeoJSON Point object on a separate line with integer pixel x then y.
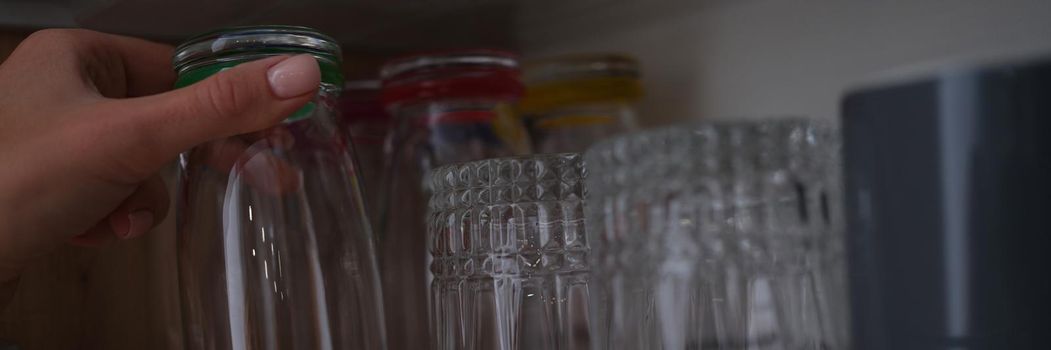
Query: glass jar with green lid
{"type": "Point", "coordinates": [274, 248]}
{"type": "Point", "coordinates": [572, 101]}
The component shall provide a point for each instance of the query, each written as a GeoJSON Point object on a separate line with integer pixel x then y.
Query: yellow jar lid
{"type": "Point", "coordinates": [579, 79]}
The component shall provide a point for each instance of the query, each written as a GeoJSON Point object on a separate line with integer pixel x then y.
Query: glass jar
{"type": "Point", "coordinates": [719, 235]}
{"type": "Point", "coordinates": [367, 125]}
{"type": "Point", "coordinates": [510, 255]}
{"type": "Point", "coordinates": [575, 100]}
{"type": "Point", "coordinates": [274, 248]}
{"type": "Point", "coordinates": [448, 107]}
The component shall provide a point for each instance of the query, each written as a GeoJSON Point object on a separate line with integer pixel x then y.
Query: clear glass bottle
{"type": "Point", "coordinates": [510, 255]}
{"type": "Point", "coordinates": [274, 248]}
{"type": "Point", "coordinates": [448, 107]}
{"type": "Point", "coordinates": [573, 101]}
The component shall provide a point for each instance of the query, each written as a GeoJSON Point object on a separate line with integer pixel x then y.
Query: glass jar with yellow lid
{"type": "Point", "coordinates": [572, 101]}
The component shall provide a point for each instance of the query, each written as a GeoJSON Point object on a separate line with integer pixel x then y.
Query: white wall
{"type": "Point", "coordinates": [755, 58]}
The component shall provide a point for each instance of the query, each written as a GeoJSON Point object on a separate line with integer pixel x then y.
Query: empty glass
{"type": "Point", "coordinates": [509, 254]}
{"type": "Point", "coordinates": [274, 248]}
{"type": "Point", "coordinates": [718, 235]}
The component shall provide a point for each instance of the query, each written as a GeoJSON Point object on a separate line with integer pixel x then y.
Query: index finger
{"type": "Point", "coordinates": [145, 65]}
{"type": "Point", "coordinates": [117, 66]}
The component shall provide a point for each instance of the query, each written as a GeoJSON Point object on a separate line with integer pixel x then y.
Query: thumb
{"type": "Point", "coordinates": [245, 98]}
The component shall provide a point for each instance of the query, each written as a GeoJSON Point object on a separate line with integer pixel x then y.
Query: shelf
{"type": "Point", "coordinates": [362, 25]}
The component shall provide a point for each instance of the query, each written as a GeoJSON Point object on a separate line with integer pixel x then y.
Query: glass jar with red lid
{"type": "Point", "coordinates": [448, 107]}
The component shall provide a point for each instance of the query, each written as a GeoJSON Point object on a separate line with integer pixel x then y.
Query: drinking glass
{"type": "Point", "coordinates": [717, 235]}
{"type": "Point", "coordinates": [274, 248]}
{"type": "Point", "coordinates": [509, 254]}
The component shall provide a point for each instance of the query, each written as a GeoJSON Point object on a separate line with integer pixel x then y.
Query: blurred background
{"type": "Point", "coordinates": [698, 58]}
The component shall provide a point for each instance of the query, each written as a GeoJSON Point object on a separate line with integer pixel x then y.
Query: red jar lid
{"type": "Point", "coordinates": [458, 74]}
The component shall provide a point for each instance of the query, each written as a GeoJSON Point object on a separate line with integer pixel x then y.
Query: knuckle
{"type": "Point", "coordinates": [59, 37]}
{"type": "Point", "coordinates": [222, 97]}
{"type": "Point", "coordinates": [45, 35]}
{"type": "Point", "coordinates": [59, 42]}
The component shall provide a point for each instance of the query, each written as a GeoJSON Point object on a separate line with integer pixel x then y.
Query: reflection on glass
{"type": "Point", "coordinates": [717, 236]}
{"type": "Point", "coordinates": [367, 125]}
{"type": "Point", "coordinates": [275, 248]}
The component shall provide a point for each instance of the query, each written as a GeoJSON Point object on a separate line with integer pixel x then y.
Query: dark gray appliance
{"type": "Point", "coordinates": [948, 183]}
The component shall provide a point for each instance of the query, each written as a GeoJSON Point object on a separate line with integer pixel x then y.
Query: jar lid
{"type": "Point", "coordinates": [254, 42]}
{"type": "Point", "coordinates": [456, 74]}
{"type": "Point", "coordinates": [207, 54]}
{"type": "Point", "coordinates": [477, 58]}
{"type": "Point", "coordinates": [571, 80]}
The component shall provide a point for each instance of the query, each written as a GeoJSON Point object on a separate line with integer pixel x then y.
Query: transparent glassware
{"type": "Point", "coordinates": [448, 107]}
{"type": "Point", "coordinates": [274, 247]}
{"type": "Point", "coordinates": [368, 125]}
{"type": "Point", "coordinates": [721, 235]}
{"type": "Point", "coordinates": [509, 254]}
{"type": "Point", "coordinates": [573, 101]}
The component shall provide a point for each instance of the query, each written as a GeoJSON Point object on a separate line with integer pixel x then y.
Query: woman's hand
{"type": "Point", "coordinates": [86, 123]}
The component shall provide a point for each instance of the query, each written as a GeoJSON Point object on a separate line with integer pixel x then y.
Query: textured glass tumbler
{"type": "Point", "coordinates": [509, 254]}
{"type": "Point", "coordinates": [274, 248]}
{"type": "Point", "coordinates": [717, 236]}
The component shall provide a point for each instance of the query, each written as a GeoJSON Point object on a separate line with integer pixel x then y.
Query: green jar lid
{"type": "Point", "coordinates": [206, 54]}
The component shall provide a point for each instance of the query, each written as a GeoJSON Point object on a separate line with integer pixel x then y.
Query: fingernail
{"type": "Point", "coordinates": [133, 225]}
{"type": "Point", "coordinates": [294, 76]}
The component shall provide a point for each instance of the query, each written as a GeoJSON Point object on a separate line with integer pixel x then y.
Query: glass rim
{"type": "Point", "coordinates": [579, 66]}
{"type": "Point", "coordinates": [439, 184]}
{"type": "Point", "coordinates": [690, 151]}
{"type": "Point", "coordinates": [473, 57]}
{"type": "Point", "coordinates": [252, 42]}
{"type": "Point", "coordinates": [693, 126]}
